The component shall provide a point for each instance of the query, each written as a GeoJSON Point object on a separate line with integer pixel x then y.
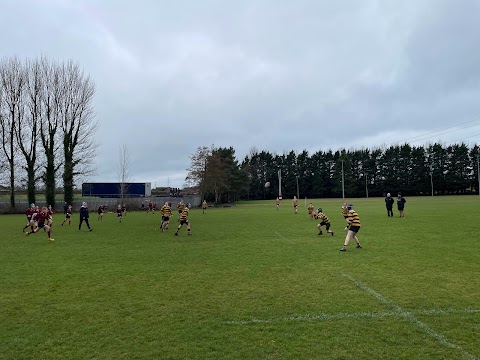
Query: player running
{"type": "Point", "coordinates": [29, 213]}
{"type": "Point", "coordinates": [204, 206]}
{"type": "Point", "coordinates": [311, 210]}
{"type": "Point", "coordinates": [166, 211]}
{"type": "Point", "coordinates": [100, 212]}
{"type": "Point", "coordinates": [42, 223]}
{"type": "Point", "coordinates": [324, 221]}
{"type": "Point", "coordinates": [180, 207]}
{"type": "Point", "coordinates": [295, 204]}
{"type": "Point", "coordinates": [119, 213]}
{"type": "Point", "coordinates": [277, 203]}
{"type": "Point", "coordinates": [354, 226]}
{"type": "Point", "coordinates": [184, 220]}
{"type": "Point", "coordinates": [68, 215]}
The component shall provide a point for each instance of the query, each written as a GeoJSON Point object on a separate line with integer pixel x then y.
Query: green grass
{"type": "Point", "coordinates": [250, 283]}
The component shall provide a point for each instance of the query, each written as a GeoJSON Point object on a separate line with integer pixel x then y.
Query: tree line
{"type": "Point", "coordinates": [413, 170]}
{"type": "Point", "coordinates": [46, 124]}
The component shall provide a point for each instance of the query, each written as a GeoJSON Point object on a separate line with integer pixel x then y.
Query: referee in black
{"type": "Point", "coordinates": [84, 216]}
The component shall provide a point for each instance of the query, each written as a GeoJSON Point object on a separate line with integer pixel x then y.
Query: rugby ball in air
{"type": "Point", "coordinates": [267, 184]}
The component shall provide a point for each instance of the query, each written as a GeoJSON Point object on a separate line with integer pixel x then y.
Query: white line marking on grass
{"type": "Point", "coordinates": [315, 317]}
{"type": "Point", "coordinates": [283, 237]}
{"type": "Point", "coordinates": [409, 316]}
{"type": "Point", "coordinates": [358, 315]}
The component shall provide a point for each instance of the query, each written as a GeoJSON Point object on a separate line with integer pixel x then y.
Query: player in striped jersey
{"type": "Point", "coordinates": [184, 220]}
{"type": "Point", "coordinates": [354, 226]}
{"type": "Point", "coordinates": [324, 220]}
{"type": "Point", "coordinates": [166, 211]}
{"type": "Point", "coordinates": [311, 211]}
{"type": "Point", "coordinates": [180, 207]}
{"type": "Point", "coordinates": [295, 204]}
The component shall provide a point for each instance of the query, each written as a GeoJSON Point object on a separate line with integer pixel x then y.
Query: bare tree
{"type": "Point", "coordinates": [197, 174]}
{"type": "Point", "coordinates": [123, 171]}
{"type": "Point", "coordinates": [12, 82]}
{"type": "Point", "coordinates": [28, 125]}
{"type": "Point", "coordinates": [51, 101]}
{"type": "Point", "coordinates": [77, 125]}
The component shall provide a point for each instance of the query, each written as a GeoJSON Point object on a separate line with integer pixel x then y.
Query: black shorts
{"type": "Point", "coordinates": [354, 228]}
{"type": "Point", "coordinates": [180, 211]}
{"type": "Point", "coordinates": [41, 224]}
{"type": "Point", "coordinates": [67, 216]}
{"type": "Point", "coordinates": [165, 218]}
{"type": "Point", "coordinates": [400, 208]}
{"type": "Point", "coordinates": [184, 222]}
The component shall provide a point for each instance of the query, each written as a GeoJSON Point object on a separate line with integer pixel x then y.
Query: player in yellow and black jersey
{"type": "Point", "coordinates": [353, 228]}
{"type": "Point", "coordinates": [311, 211]}
{"type": "Point", "coordinates": [295, 204]}
{"type": "Point", "coordinates": [180, 207]}
{"type": "Point", "coordinates": [166, 211]}
{"type": "Point", "coordinates": [324, 221]}
{"type": "Point", "coordinates": [184, 220]}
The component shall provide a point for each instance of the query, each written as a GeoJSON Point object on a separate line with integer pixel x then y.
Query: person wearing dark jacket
{"type": "Point", "coordinates": [401, 204]}
{"type": "Point", "coordinates": [84, 216]}
{"type": "Point", "coordinates": [389, 204]}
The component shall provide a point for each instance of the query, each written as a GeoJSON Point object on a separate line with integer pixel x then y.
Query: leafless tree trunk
{"type": "Point", "coordinates": [51, 101]}
{"type": "Point", "coordinates": [28, 125]}
{"type": "Point", "coordinates": [123, 171]}
{"type": "Point", "coordinates": [12, 82]}
{"type": "Point", "coordinates": [77, 126]}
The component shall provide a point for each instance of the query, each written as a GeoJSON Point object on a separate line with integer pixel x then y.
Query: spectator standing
{"type": "Point", "coordinates": [389, 204]}
{"type": "Point", "coordinates": [401, 204]}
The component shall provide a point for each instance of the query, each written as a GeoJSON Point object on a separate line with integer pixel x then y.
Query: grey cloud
{"type": "Point", "coordinates": [172, 76]}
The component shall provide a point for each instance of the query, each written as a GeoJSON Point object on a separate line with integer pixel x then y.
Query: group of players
{"type": "Point", "coordinates": [38, 219]}
{"type": "Point", "coordinates": [350, 215]}
{"type": "Point", "coordinates": [183, 212]}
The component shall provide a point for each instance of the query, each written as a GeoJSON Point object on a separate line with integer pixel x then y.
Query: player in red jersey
{"type": "Point", "coordinates": [42, 221]}
{"type": "Point", "coordinates": [119, 213]}
{"type": "Point", "coordinates": [68, 215]}
{"type": "Point", "coordinates": [100, 212]}
{"type": "Point", "coordinates": [29, 212]}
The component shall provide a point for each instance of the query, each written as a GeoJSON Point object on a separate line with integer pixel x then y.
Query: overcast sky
{"type": "Point", "coordinates": [276, 75]}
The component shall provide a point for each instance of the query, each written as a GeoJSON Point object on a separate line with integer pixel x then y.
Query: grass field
{"type": "Point", "coordinates": [250, 283]}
